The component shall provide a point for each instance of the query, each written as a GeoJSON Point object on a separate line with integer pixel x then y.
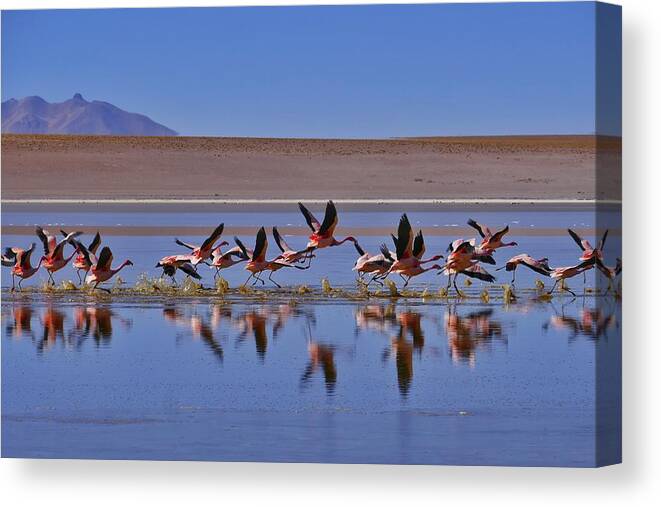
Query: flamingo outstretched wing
{"type": "Point", "coordinates": [208, 243]}
{"type": "Point", "coordinates": [419, 245]}
{"type": "Point", "coordinates": [261, 245]}
{"type": "Point", "coordinates": [583, 244]}
{"type": "Point", "coordinates": [404, 238]}
{"type": "Point", "coordinates": [313, 223]}
{"type": "Point", "coordinates": [105, 259]}
{"type": "Point", "coordinates": [481, 229]}
{"type": "Point", "coordinates": [330, 220]}
{"type": "Point", "coordinates": [280, 241]}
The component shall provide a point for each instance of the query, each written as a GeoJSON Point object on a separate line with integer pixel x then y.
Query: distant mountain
{"type": "Point", "coordinates": [33, 115]}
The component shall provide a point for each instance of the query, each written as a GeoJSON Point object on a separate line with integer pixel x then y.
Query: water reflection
{"type": "Point", "coordinates": [199, 327]}
{"type": "Point", "coordinates": [590, 323]}
{"type": "Point", "coordinates": [472, 332]}
{"type": "Point", "coordinates": [399, 335]}
{"type": "Point", "coordinates": [21, 323]}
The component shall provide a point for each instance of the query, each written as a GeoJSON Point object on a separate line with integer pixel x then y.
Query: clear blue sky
{"type": "Point", "coordinates": [357, 71]}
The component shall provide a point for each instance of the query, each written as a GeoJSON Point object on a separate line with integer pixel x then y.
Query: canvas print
{"type": "Point", "coordinates": [329, 234]}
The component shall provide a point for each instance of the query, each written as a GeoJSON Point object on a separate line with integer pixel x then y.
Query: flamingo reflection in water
{"type": "Point", "coordinates": [592, 323]}
{"type": "Point", "coordinates": [52, 321]}
{"type": "Point", "coordinates": [198, 326]}
{"type": "Point", "coordinates": [95, 322]}
{"type": "Point", "coordinates": [321, 356]}
{"type": "Point", "coordinates": [469, 333]}
{"type": "Point", "coordinates": [21, 323]}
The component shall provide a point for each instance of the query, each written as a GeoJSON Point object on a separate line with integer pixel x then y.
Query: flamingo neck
{"type": "Point", "coordinates": [348, 238]}
{"type": "Point", "coordinates": [121, 266]}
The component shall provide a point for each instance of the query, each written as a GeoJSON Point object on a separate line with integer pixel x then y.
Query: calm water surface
{"type": "Point", "coordinates": [335, 381]}
{"type": "Point", "coordinates": [332, 382]}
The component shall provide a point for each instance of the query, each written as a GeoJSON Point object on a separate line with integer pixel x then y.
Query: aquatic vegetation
{"type": "Point", "coordinates": [326, 286]}
{"type": "Point", "coordinates": [443, 292]}
{"type": "Point", "coordinates": [222, 285]}
{"type": "Point", "coordinates": [468, 282]}
{"type": "Point", "coordinates": [392, 287]}
{"type": "Point", "coordinates": [484, 296]}
{"type": "Point", "coordinates": [508, 294]}
{"type": "Point", "coordinates": [539, 285]}
{"type": "Point", "coordinates": [302, 290]}
{"type": "Point", "coordinates": [68, 285]}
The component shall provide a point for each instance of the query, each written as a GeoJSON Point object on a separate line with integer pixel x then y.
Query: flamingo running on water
{"type": "Point", "coordinates": [171, 263]}
{"type": "Point", "coordinates": [53, 259]}
{"type": "Point", "coordinates": [257, 262]}
{"type": "Point", "coordinates": [588, 252]}
{"type": "Point", "coordinates": [21, 267]}
{"type": "Point", "coordinates": [220, 260]}
{"type": "Point", "coordinates": [203, 252]}
{"type": "Point", "coordinates": [569, 272]}
{"type": "Point", "coordinates": [377, 264]}
{"type": "Point", "coordinates": [540, 266]}
{"type": "Point", "coordinates": [409, 253]}
{"type": "Point", "coordinates": [82, 262]}
{"type": "Point", "coordinates": [289, 255]}
{"type": "Point", "coordinates": [464, 259]}
{"type": "Point", "coordinates": [609, 272]}
{"type": "Point", "coordinates": [490, 241]}
{"type": "Point", "coordinates": [102, 271]}
{"type": "Point", "coordinates": [322, 233]}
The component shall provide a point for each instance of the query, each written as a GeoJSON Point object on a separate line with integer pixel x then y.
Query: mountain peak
{"type": "Point", "coordinates": [33, 115]}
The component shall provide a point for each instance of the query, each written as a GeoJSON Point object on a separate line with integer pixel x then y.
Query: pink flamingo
{"type": "Point", "coordinates": [409, 253]}
{"type": "Point", "coordinates": [567, 272]}
{"type": "Point", "coordinates": [53, 259]}
{"type": "Point", "coordinates": [322, 234]}
{"type": "Point", "coordinates": [540, 266]}
{"type": "Point", "coordinates": [203, 252]}
{"type": "Point", "coordinates": [171, 263]}
{"type": "Point", "coordinates": [609, 272]}
{"type": "Point", "coordinates": [102, 271]}
{"type": "Point", "coordinates": [464, 259]}
{"type": "Point", "coordinates": [220, 260]}
{"type": "Point", "coordinates": [21, 267]}
{"type": "Point", "coordinates": [82, 262]}
{"type": "Point", "coordinates": [589, 253]}
{"type": "Point", "coordinates": [490, 241]}
{"type": "Point", "coordinates": [378, 264]}
{"type": "Point", "coordinates": [289, 255]}
{"type": "Point", "coordinates": [257, 262]}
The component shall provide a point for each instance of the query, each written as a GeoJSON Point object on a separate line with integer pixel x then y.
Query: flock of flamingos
{"type": "Point", "coordinates": [464, 257]}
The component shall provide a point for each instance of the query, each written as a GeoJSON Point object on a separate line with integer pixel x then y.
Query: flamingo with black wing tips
{"type": "Point", "coordinates": [53, 259]}
{"type": "Point", "coordinates": [288, 254]}
{"type": "Point", "coordinates": [540, 266]}
{"type": "Point", "coordinates": [220, 260]}
{"type": "Point", "coordinates": [82, 262]}
{"type": "Point", "coordinates": [464, 260]}
{"type": "Point", "coordinates": [171, 263]}
{"type": "Point", "coordinates": [203, 252]}
{"type": "Point", "coordinates": [609, 272]}
{"type": "Point", "coordinates": [102, 270]}
{"type": "Point", "coordinates": [22, 267]}
{"type": "Point", "coordinates": [490, 241]}
{"type": "Point", "coordinates": [567, 272]}
{"type": "Point", "coordinates": [377, 264]}
{"type": "Point", "coordinates": [589, 252]}
{"type": "Point", "coordinates": [257, 262]}
{"type": "Point", "coordinates": [409, 252]}
{"type": "Point", "coordinates": [322, 233]}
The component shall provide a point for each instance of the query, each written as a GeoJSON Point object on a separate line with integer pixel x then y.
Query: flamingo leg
{"type": "Point", "coordinates": [406, 281]}
{"type": "Point", "coordinates": [13, 281]}
{"type": "Point", "coordinates": [96, 286]}
{"type": "Point", "coordinates": [553, 288]}
{"type": "Point", "coordinates": [80, 282]}
{"type": "Point", "coordinates": [454, 283]}
{"type": "Point", "coordinates": [513, 277]}
{"type": "Point", "coordinates": [217, 273]}
{"type": "Point", "coordinates": [276, 283]}
{"type": "Point", "coordinates": [19, 284]}
{"type": "Point", "coordinates": [50, 277]}
{"type": "Point", "coordinates": [248, 279]}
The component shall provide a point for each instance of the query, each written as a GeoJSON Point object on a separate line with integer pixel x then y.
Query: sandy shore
{"type": "Point", "coordinates": [100, 167]}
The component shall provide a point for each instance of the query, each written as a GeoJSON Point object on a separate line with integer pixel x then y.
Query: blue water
{"type": "Point", "coordinates": [440, 382]}
{"type": "Point", "coordinates": [403, 383]}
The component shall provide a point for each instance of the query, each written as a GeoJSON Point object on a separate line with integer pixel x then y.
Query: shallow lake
{"type": "Point", "coordinates": [445, 381]}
